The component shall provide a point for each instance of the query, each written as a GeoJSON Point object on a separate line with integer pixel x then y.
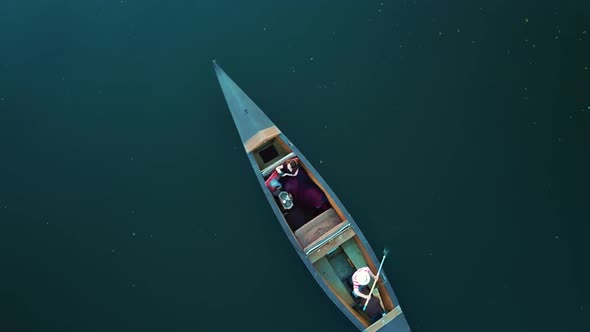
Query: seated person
{"type": "Point", "coordinates": [360, 289]}
{"type": "Point", "coordinates": [289, 177]}
{"type": "Point", "coordinates": [360, 279]}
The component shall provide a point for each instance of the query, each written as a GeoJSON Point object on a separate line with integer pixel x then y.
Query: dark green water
{"type": "Point", "coordinates": [456, 133]}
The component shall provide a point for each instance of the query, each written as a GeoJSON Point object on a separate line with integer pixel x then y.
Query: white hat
{"type": "Point", "coordinates": [362, 277]}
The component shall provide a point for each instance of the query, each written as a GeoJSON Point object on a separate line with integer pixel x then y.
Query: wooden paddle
{"type": "Point", "coordinates": [385, 252]}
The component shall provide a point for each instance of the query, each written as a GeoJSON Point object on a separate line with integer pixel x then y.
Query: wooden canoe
{"type": "Point", "coordinates": [328, 241]}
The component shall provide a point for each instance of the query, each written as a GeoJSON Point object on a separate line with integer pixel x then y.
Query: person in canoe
{"type": "Point", "coordinates": [291, 178]}
{"type": "Point", "coordinates": [360, 279]}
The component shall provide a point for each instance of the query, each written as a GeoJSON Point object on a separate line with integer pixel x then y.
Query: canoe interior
{"type": "Point", "coordinates": [327, 238]}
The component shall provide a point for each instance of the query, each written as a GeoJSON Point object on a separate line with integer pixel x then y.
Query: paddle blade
{"type": "Point", "coordinates": [385, 252]}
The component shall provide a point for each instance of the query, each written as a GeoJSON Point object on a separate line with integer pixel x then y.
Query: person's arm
{"type": "Point", "coordinates": [279, 169]}
{"type": "Point", "coordinates": [372, 275]}
{"type": "Point", "coordinates": [357, 292]}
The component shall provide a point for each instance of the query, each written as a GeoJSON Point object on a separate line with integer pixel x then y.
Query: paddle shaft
{"type": "Point", "coordinates": [374, 283]}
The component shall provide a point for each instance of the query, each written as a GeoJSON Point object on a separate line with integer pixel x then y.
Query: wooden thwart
{"type": "Point", "coordinates": [326, 248]}
{"type": "Point", "coordinates": [384, 320]}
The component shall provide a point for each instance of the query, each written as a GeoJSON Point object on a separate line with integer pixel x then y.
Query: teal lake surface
{"type": "Point", "coordinates": [456, 133]}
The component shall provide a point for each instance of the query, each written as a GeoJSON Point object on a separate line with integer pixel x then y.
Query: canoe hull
{"type": "Point", "coordinates": [253, 126]}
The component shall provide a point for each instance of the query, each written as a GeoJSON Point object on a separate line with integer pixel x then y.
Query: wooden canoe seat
{"type": "Point", "coordinates": [317, 227]}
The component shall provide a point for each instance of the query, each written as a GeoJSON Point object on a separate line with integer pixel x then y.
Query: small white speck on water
{"type": "Point", "coordinates": [458, 29]}
{"type": "Point", "coordinates": [113, 251]}
{"type": "Point", "coordinates": [151, 236]}
{"type": "Point", "coordinates": [311, 59]}
{"type": "Point", "coordinates": [264, 29]}
{"type": "Point", "coordinates": [132, 285]}
{"type": "Point", "coordinates": [508, 52]}
{"type": "Point", "coordinates": [556, 237]}
{"type": "Point", "coordinates": [132, 158]}
{"type": "Point", "coordinates": [321, 161]}
{"type": "Point", "coordinates": [325, 126]}
{"type": "Point", "coordinates": [133, 234]}
{"type": "Point", "coordinates": [47, 223]}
